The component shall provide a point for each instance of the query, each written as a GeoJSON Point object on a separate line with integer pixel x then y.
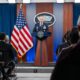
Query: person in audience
{"type": "Point", "coordinates": [66, 43]}
{"type": "Point", "coordinates": [68, 64]}
{"type": "Point", "coordinates": [7, 39]}
{"type": "Point", "coordinates": [6, 56]}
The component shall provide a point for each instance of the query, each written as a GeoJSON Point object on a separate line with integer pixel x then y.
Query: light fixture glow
{"type": "Point", "coordinates": [26, 1]}
{"type": "Point", "coordinates": [11, 1]}
{"type": "Point", "coordinates": [60, 1]}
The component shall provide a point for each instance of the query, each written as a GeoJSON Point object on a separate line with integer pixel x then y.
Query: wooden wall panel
{"type": "Point", "coordinates": [68, 17]}
{"type": "Point", "coordinates": [47, 7]}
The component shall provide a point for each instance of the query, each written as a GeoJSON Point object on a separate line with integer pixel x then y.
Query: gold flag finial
{"type": "Point", "coordinates": [20, 5]}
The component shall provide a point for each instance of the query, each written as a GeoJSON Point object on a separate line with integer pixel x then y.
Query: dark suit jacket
{"type": "Point", "coordinates": [7, 52]}
{"type": "Point", "coordinates": [61, 46]}
{"type": "Point", "coordinates": [40, 28]}
{"type": "Point", "coordinates": [68, 64]}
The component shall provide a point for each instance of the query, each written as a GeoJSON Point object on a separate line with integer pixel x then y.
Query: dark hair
{"type": "Point", "coordinates": [2, 36]}
{"type": "Point", "coordinates": [66, 36]}
{"type": "Point", "coordinates": [74, 35]}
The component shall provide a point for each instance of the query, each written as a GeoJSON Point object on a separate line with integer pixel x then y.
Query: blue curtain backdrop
{"type": "Point", "coordinates": [7, 18]}
{"type": "Point", "coordinates": [31, 8]}
{"type": "Point", "coordinates": [57, 27]}
{"type": "Point", "coordinates": [76, 13]}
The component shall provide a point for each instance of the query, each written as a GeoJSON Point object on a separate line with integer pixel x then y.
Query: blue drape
{"type": "Point", "coordinates": [31, 8]}
{"type": "Point", "coordinates": [7, 17]}
{"type": "Point", "coordinates": [58, 27]}
{"type": "Point", "coordinates": [30, 56]}
{"type": "Point", "coordinates": [76, 13]}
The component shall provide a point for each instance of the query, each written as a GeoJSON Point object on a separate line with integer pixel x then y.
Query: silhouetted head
{"type": "Point", "coordinates": [7, 39]}
{"type": "Point", "coordinates": [74, 36]}
{"type": "Point", "coordinates": [66, 37]}
{"type": "Point", "coordinates": [2, 36]}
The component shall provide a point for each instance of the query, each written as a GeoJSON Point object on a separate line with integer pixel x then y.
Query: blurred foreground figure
{"type": "Point", "coordinates": [65, 44]}
{"type": "Point", "coordinates": [7, 39]}
{"type": "Point", "coordinates": [68, 63]}
{"type": "Point", "coordinates": [6, 56]}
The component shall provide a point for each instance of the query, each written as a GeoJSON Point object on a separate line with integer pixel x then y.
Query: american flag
{"type": "Point", "coordinates": [21, 38]}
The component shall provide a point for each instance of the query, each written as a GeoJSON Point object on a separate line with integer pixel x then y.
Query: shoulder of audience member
{"type": "Point", "coordinates": [77, 47]}
{"type": "Point", "coordinates": [9, 46]}
{"type": "Point", "coordinates": [67, 49]}
{"type": "Point", "coordinates": [65, 52]}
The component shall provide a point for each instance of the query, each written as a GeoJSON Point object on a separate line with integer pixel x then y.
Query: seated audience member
{"type": "Point", "coordinates": [7, 39]}
{"type": "Point", "coordinates": [66, 43]}
{"type": "Point", "coordinates": [68, 64]}
{"type": "Point", "coordinates": [7, 56]}
{"type": "Point", "coordinates": [8, 42]}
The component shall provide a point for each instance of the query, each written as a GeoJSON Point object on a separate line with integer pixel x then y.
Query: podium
{"type": "Point", "coordinates": [41, 58]}
{"type": "Point", "coordinates": [43, 21]}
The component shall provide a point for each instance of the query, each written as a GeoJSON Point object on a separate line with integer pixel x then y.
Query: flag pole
{"type": "Point", "coordinates": [21, 57]}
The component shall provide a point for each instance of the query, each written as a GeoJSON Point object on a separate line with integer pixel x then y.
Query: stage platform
{"type": "Point", "coordinates": [33, 76]}
{"type": "Point", "coordinates": [30, 68]}
{"type": "Point", "coordinates": [27, 71]}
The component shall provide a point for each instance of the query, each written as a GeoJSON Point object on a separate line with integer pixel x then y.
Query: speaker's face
{"type": "Point", "coordinates": [46, 18]}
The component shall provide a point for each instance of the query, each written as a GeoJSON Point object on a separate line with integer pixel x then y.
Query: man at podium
{"type": "Point", "coordinates": [40, 31]}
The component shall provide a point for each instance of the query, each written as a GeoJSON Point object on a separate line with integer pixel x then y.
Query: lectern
{"type": "Point", "coordinates": [41, 33]}
{"type": "Point", "coordinates": [43, 21]}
